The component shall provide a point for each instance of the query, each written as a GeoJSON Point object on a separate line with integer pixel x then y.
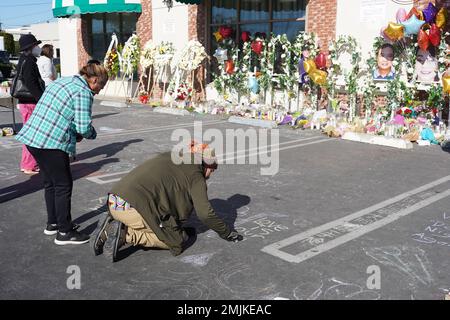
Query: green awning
{"type": "Point", "coordinates": [190, 1]}
{"type": "Point", "coordinates": [65, 8]}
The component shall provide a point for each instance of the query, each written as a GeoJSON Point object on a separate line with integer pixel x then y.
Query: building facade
{"type": "Point", "coordinates": [89, 31]}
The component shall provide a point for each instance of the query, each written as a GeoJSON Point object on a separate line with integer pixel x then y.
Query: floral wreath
{"type": "Point", "coordinates": [130, 56]}
{"type": "Point", "coordinates": [148, 54]}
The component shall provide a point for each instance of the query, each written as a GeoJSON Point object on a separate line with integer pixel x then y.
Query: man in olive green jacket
{"type": "Point", "coordinates": [154, 200]}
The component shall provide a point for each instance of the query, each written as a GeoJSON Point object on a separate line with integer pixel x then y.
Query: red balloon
{"type": "Point", "coordinates": [257, 47]}
{"type": "Point", "coordinates": [229, 67]}
{"type": "Point", "coordinates": [321, 61]}
{"type": "Point", "coordinates": [435, 35]}
{"type": "Point", "coordinates": [225, 32]}
{"type": "Point", "coordinates": [245, 36]}
{"type": "Point", "coordinates": [423, 40]}
{"type": "Point", "coordinates": [417, 13]}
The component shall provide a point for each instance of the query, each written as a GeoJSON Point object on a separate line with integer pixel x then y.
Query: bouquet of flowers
{"type": "Point", "coordinates": [183, 93]}
{"type": "Point", "coordinates": [143, 96]}
{"type": "Point", "coordinates": [148, 54]}
{"type": "Point", "coordinates": [111, 62]}
{"type": "Point", "coordinates": [130, 55]}
{"type": "Point", "coordinates": [191, 57]}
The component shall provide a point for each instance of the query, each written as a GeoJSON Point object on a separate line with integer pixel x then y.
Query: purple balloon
{"type": "Point", "coordinates": [301, 70]}
{"type": "Point", "coordinates": [430, 13]}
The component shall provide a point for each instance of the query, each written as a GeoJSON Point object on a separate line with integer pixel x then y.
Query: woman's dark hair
{"type": "Point", "coordinates": [47, 50]}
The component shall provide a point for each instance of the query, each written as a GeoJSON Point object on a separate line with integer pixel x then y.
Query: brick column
{"type": "Point", "coordinates": [83, 42]}
{"type": "Point", "coordinates": [197, 31]}
{"type": "Point", "coordinates": [144, 24]}
{"type": "Point", "coordinates": [321, 19]}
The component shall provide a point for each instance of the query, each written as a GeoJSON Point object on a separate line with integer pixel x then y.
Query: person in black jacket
{"type": "Point", "coordinates": [27, 66]}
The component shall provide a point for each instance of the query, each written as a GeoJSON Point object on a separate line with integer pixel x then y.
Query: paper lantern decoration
{"type": "Point", "coordinates": [423, 40]}
{"type": "Point", "coordinates": [310, 66]}
{"type": "Point", "coordinates": [412, 25]}
{"type": "Point", "coordinates": [245, 36]}
{"type": "Point", "coordinates": [321, 61]}
{"type": "Point", "coordinates": [394, 31]}
{"type": "Point", "coordinates": [253, 84]}
{"type": "Point", "coordinates": [401, 15]}
{"type": "Point", "coordinates": [430, 13]}
{"type": "Point", "coordinates": [319, 77]}
{"type": "Point", "coordinates": [446, 83]}
{"type": "Point", "coordinates": [221, 55]}
{"type": "Point", "coordinates": [441, 17]}
{"type": "Point", "coordinates": [229, 67]}
{"type": "Point", "coordinates": [435, 35]}
{"type": "Point", "coordinates": [257, 47]}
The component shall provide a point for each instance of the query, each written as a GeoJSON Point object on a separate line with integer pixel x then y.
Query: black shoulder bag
{"type": "Point", "coordinates": [19, 90]}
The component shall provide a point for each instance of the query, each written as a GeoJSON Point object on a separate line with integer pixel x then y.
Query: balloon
{"type": "Point", "coordinates": [423, 40]}
{"type": "Point", "coordinates": [245, 36]}
{"type": "Point", "coordinates": [253, 84]}
{"type": "Point", "coordinates": [321, 61]}
{"type": "Point", "coordinates": [401, 15]}
{"type": "Point", "coordinates": [435, 35]}
{"type": "Point", "coordinates": [384, 36]}
{"type": "Point", "coordinates": [412, 25]}
{"type": "Point", "coordinates": [430, 13]}
{"type": "Point", "coordinates": [301, 71]}
{"type": "Point", "coordinates": [257, 47]}
{"type": "Point", "coordinates": [225, 32]}
{"type": "Point", "coordinates": [415, 12]}
{"type": "Point", "coordinates": [394, 31]}
{"type": "Point", "coordinates": [319, 77]}
{"type": "Point", "coordinates": [446, 83]}
{"type": "Point", "coordinates": [221, 54]}
{"type": "Point", "coordinates": [218, 36]}
{"type": "Point", "coordinates": [441, 17]}
{"type": "Point", "coordinates": [229, 67]}
{"type": "Point", "coordinates": [310, 66]}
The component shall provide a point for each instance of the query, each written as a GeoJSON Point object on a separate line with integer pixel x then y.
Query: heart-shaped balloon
{"type": "Point", "coordinates": [257, 47]}
{"type": "Point", "coordinates": [434, 35]}
{"type": "Point", "coordinates": [446, 83]}
{"type": "Point", "coordinates": [319, 77]}
{"type": "Point", "coordinates": [394, 31]}
{"type": "Point", "coordinates": [310, 66]}
{"type": "Point", "coordinates": [229, 67]}
{"type": "Point", "coordinates": [412, 25]}
{"type": "Point", "coordinates": [423, 40]}
{"type": "Point", "coordinates": [401, 15]}
{"type": "Point", "coordinates": [441, 17]}
{"type": "Point", "coordinates": [429, 13]}
{"type": "Point", "coordinates": [321, 61]}
{"type": "Point", "coordinates": [245, 36]}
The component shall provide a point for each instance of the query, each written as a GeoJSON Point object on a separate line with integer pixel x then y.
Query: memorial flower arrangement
{"type": "Point", "coordinates": [191, 57]}
{"type": "Point", "coordinates": [130, 56]}
{"type": "Point", "coordinates": [148, 54]}
{"type": "Point", "coordinates": [112, 62]}
{"type": "Point", "coordinates": [183, 92]}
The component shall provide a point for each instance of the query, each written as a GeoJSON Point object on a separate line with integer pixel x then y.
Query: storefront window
{"type": "Point", "coordinates": [101, 26]}
{"type": "Point", "coordinates": [265, 16]}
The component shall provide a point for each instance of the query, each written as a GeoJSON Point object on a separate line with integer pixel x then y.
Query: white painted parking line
{"type": "Point", "coordinates": [314, 241]}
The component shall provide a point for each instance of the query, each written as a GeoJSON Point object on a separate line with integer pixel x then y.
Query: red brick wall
{"type": "Point", "coordinates": [321, 19]}
{"type": "Point", "coordinates": [83, 42]}
{"type": "Point", "coordinates": [144, 23]}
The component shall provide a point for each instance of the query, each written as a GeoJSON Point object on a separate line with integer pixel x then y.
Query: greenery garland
{"type": "Point", "coordinates": [285, 80]}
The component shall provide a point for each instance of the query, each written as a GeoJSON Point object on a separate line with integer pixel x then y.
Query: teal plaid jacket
{"type": "Point", "coordinates": [63, 111]}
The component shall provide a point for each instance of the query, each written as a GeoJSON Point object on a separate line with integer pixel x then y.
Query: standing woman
{"type": "Point", "coordinates": [61, 119]}
{"type": "Point", "coordinates": [45, 64]}
{"type": "Point", "coordinates": [27, 67]}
